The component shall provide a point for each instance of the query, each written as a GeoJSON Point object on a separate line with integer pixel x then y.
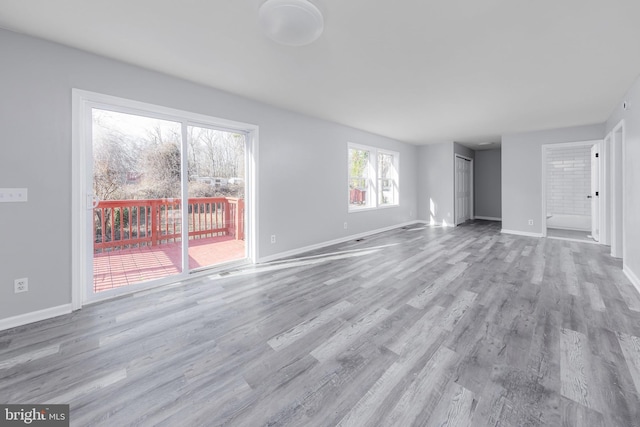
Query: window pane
{"type": "Point", "coordinates": [137, 223]}
{"type": "Point", "coordinates": [387, 192]}
{"type": "Point", "coordinates": [358, 177]}
{"type": "Point", "coordinates": [386, 179]}
{"type": "Point", "coordinates": [216, 196]}
{"type": "Point", "coordinates": [385, 166]}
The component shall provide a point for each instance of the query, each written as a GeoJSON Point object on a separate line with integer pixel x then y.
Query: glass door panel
{"type": "Point", "coordinates": [216, 185]}
{"type": "Point", "coordinates": [137, 220]}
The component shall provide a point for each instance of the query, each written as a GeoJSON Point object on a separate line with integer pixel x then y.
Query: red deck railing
{"type": "Point", "coordinates": [120, 224]}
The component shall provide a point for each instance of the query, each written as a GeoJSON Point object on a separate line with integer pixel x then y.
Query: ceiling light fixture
{"type": "Point", "coordinates": [291, 22]}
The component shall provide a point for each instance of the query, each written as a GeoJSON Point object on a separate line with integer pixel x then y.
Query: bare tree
{"type": "Point", "coordinates": [112, 164]}
{"type": "Point", "coordinates": [161, 176]}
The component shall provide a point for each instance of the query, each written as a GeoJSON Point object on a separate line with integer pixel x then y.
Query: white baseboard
{"type": "Point", "coordinates": [437, 224]}
{"type": "Point", "coordinates": [521, 233]}
{"type": "Point", "coordinates": [35, 316]}
{"type": "Point", "coordinates": [309, 248]}
{"type": "Point", "coordinates": [632, 277]}
{"type": "Point", "coordinates": [488, 218]}
{"type": "Point", "coordinates": [566, 239]}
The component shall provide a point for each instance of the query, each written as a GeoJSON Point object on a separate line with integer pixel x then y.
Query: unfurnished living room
{"type": "Point", "coordinates": [319, 213]}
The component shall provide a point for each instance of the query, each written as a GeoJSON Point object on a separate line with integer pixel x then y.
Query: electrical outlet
{"type": "Point", "coordinates": [273, 238]}
{"type": "Point", "coordinates": [530, 222]}
{"type": "Point", "coordinates": [20, 285]}
{"type": "Point", "coordinates": [345, 225]}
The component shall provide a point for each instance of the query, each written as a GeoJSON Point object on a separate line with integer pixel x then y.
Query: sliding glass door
{"type": "Point", "coordinates": [137, 221]}
{"type": "Point", "coordinates": [165, 196]}
{"type": "Point", "coordinates": [216, 163]}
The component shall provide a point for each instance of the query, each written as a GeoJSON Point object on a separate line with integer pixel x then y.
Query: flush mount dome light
{"type": "Point", "coordinates": [291, 22]}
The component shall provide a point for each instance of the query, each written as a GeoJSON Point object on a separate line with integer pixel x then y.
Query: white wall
{"type": "Point", "coordinates": [436, 198]}
{"type": "Point", "coordinates": [522, 173]}
{"type": "Point", "coordinates": [569, 180]}
{"type": "Point", "coordinates": [435, 183]}
{"type": "Point", "coordinates": [488, 183]}
{"type": "Point", "coordinates": [302, 163]}
{"type": "Point", "coordinates": [631, 117]}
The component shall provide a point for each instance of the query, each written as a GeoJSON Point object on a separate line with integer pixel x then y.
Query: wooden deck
{"type": "Point", "coordinates": [124, 267]}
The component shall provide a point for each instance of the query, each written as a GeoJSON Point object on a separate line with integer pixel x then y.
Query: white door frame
{"type": "Point", "coordinates": [82, 103]}
{"type": "Point", "coordinates": [596, 200]}
{"type": "Point", "coordinates": [545, 149]}
{"type": "Point", "coordinates": [605, 191]}
{"type": "Point", "coordinates": [617, 200]}
{"type": "Point", "coordinates": [471, 188]}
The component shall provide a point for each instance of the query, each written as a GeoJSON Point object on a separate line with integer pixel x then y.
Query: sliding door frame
{"type": "Point", "coordinates": [82, 104]}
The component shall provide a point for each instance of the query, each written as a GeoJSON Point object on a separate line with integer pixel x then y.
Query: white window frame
{"type": "Point", "coordinates": [373, 180]}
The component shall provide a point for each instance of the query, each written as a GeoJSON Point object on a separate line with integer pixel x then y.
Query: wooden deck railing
{"type": "Point", "coordinates": [120, 224]}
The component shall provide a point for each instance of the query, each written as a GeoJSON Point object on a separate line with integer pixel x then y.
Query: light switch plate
{"type": "Point", "coordinates": [8, 195]}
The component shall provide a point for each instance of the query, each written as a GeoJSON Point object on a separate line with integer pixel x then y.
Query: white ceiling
{"type": "Point", "coordinates": [419, 71]}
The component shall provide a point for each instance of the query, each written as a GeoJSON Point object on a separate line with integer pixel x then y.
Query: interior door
{"type": "Point", "coordinates": [463, 189]}
{"type": "Point", "coordinates": [595, 192]}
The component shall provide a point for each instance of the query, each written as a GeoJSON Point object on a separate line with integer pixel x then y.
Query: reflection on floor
{"type": "Point", "coordinates": [576, 235]}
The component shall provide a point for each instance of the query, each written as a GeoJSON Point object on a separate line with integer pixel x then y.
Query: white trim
{"type": "Point", "coordinates": [620, 127]}
{"type": "Point", "coordinates": [251, 194]}
{"type": "Point", "coordinates": [624, 186]}
{"type": "Point", "coordinates": [543, 221]}
{"type": "Point", "coordinates": [633, 278]}
{"type": "Point", "coordinates": [78, 189]}
{"type": "Point", "coordinates": [588, 142]}
{"type": "Point", "coordinates": [35, 316]}
{"type": "Point", "coordinates": [309, 248]}
{"type": "Point", "coordinates": [488, 218]}
{"type": "Point", "coordinates": [521, 233]}
{"type": "Point", "coordinates": [442, 223]}
{"type": "Point", "coordinates": [588, 242]}
{"type": "Point", "coordinates": [605, 186]}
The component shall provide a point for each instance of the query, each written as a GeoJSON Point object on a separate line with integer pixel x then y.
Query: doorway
{"type": "Point", "coordinates": [571, 191]}
{"type": "Point", "coordinates": [463, 182]}
{"type": "Point", "coordinates": [160, 194]}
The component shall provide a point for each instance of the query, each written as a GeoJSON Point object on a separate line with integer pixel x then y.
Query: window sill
{"type": "Point", "coordinates": [388, 206]}
{"type": "Point", "coordinates": [367, 209]}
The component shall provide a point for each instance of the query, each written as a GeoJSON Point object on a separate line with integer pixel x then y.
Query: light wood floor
{"type": "Point", "coordinates": [417, 326]}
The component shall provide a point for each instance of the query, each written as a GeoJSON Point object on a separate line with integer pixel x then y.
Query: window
{"type": "Point", "coordinates": [359, 182]}
{"type": "Point", "coordinates": [373, 177]}
{"type": "Point", "coordinates": [387, 179]}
